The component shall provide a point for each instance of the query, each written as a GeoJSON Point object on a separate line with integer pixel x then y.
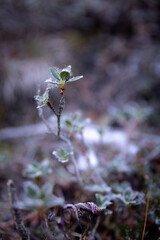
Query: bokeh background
{"type": "Point", "coordinates": [114, 44]}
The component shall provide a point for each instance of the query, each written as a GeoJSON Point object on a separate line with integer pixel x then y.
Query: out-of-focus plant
{"type": "Point", "coordinates": [39, 196]}
{"type": "Point", "coordinates": [63, 154]}
{"type": "Point", "coordinates": [38, 169]}
{"type": "Point", "coordinates": [130, 111]}
{"type": "Point", "coordinates": [74, 123]}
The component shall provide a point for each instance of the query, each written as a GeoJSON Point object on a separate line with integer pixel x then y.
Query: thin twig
{"type": "Point", "coordinates": [92, 236]}
{"type": "Point", "coordinates": [145, 219]}
{"type": "Point", "coordinates": [51, 107]}
{"type": "Point", "coordinates": [76, 170]}
{"type": "Point", "coordinates": [25, 235]}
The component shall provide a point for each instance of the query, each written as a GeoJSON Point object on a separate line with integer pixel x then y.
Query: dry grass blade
{"type": "Point", "coordinates": [145, 220]}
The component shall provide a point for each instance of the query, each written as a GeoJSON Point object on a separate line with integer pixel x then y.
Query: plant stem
{"type": "Point", "coordinates": [59, 125]}
{"type": "Point", "coordinates": [58, 115]}
{"type": "Point", "coordinates": [51, 107]}
{"type": "Point", "coordinates": [25, 235]}
{"type": "Point", "coordinates": [145, 220]}
{"type": "Point", "coordinates": [60, 109]}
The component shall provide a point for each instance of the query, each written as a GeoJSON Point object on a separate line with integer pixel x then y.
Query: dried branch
{"type": "Point", "coordinates": [25, 235]}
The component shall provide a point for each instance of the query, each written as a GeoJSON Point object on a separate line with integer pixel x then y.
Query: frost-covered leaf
{"type": "Point", "coordinates": [68, 68]}
{"type": "Point", "coordinates": [127, 197]}
{"type": "Point", "coordinates": [131, 197]}
{"type": "Point", "coordinates": [63, 154]}
{"type": "Point", "coordinates": [119, 188]}
{"type": "Point", "coordinates": [62, 75]}
{"type": "Point", "coordinates": [55, 72]}
{"type": "Point", "coordinates": [40, 197]}
{"type": "Point", "coordinates": [44, 165]}
{"type": "Point", "coordinates": [98, 188]}
{"type": "Point", "coordinates": [43, 99]}
{"type": "Point", "coordinates": [103, 201]}
{"type": "Point", "coordinates": [32, 190]}
{"type": "Point", "coordinates": [36, 169]}
{"type": "Point", "coordinates": [47, 189]}
{"type": "Point", "coordinates": [119, 164]}
{"type": "Point", "coordinates": [73, 79]}
{"type": "Point", "coordinates": [55, 83]}
{"type": "Point", "coordinates": [128, 111]}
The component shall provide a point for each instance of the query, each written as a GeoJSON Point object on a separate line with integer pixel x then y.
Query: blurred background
{"type": "Point", "coordinates": [114, 44]}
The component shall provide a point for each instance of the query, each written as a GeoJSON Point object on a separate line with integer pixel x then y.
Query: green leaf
{"type": "Point", "coordinates": [63, 154]}
{"type": "Point", "coordinates": [31, 172]}
{"type": "Point", "coordinates": [74, 79]}
{"type": "Point", "coordinates": [65, 73]}
{"type": "Point", "coordinates": [68, 123]}
{"type": "Point", "coordinates": [55, 72]}
{"type": "Point", "coordinates": [32, 190]}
